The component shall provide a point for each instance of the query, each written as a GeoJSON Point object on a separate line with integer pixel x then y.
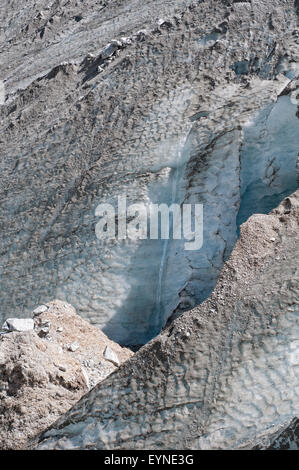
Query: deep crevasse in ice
{"type": "Point", "coordinates": [242, 172]}
{"type": "Point", "coordinates": [131, 288]}
{"type": "Point", "coordinates": [245, 172]}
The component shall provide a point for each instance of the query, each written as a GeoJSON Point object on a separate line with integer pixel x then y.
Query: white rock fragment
{"type": "Point", "coordinates": [162, 22]}
{"type": "Point", "coordinates": [18, 324]}
{"type": "Point", "coordinates": [125, 41]}
{"type": "Point", "coordinates": [74, 346]}
{"type": "Point", "coordinates": [141, 34]}
{"type": "Point", "coordinates": [40, 309]}
{"type": "Point", "coordinates": [40, 15]}
{"type": "Point", "coordinates": [111, 356]}
{"type": "Point", "coordinates": [116, 43]}
{"type": "Point", "coordinates": [86, 377]}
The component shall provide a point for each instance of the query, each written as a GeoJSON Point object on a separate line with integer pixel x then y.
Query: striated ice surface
{"type": "Point", "coordinates": [261, 390]}
{"type": "Point", "coordinates": [113, 101]}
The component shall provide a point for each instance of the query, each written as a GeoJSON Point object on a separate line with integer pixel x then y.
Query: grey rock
{"type": "Point", "coordinates": [18, 324]}
{"type": "Point", "coordinates": [43, 329]}
{"type": "Point", "coordinates": [43, 376]}
{"type": "Point", "coordinates": [40, 309]}
{"type": "Point", "coordinates": [109, 50]}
